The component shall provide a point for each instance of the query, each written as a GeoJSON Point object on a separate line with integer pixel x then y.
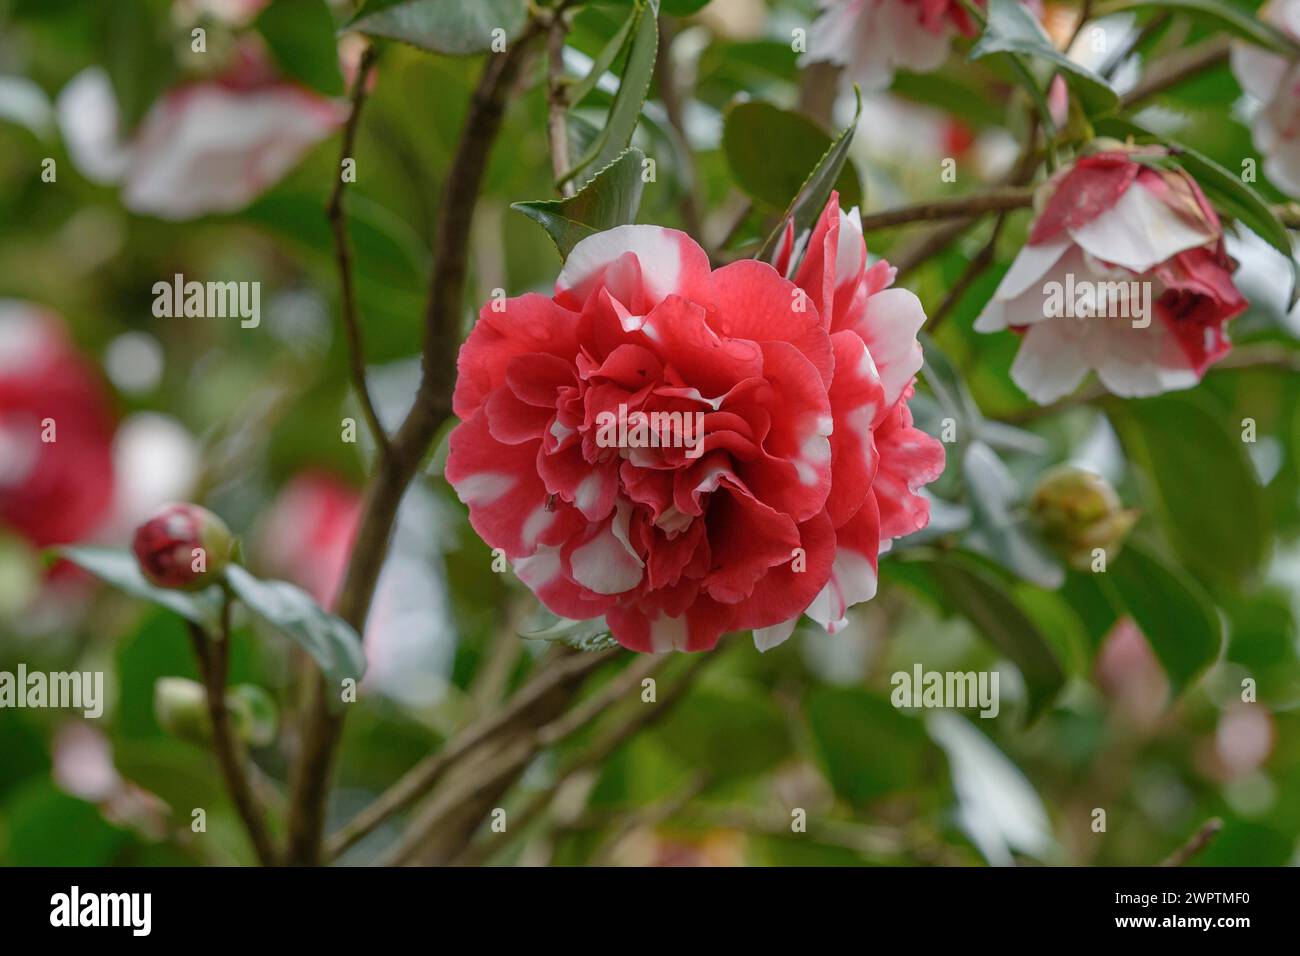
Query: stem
{"type": "Point", "coordinates": [1181, 66]}
{"type": "Point", "coordinates": [557, 104]}
{"type": "Point", "coordinates": [339, 227]}
{"type": "Point", "coordinates": [430, 409]}
{"type": "Point", "coordinates": [666, 81]}
{"type": "Point", "coordinates": [417, 781]}
{"type": "Point", "coordinates": [1000, 199]}
{"type": "Point", "coordinates": [1194, 846]}
{"type": "Point", "coordinates": [974, 269]}
{"type": "Point", "coordinates": [214, 659]}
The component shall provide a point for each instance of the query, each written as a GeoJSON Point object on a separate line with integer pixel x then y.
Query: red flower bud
{"type": "Point", "coordinates": [183, 546]}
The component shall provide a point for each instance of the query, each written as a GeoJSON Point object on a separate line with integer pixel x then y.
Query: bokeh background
{"type": "Point", "coordinates": [1144, 720]}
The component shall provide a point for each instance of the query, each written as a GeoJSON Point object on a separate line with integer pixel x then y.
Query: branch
{"type": "Point", "coordinates": [430, 409]}
{"type": "Point", "coordinates": [498, 769]}
{"type": "Point", "coordinates": [1194, 846]}
{"type": "Point", "coordinates": [339, 228]}
{"type": "Point", "coordinates": [595, 755]}
{"type": "Point", "coordinates": [557, 103]}
{"type": "Point", "coordinates": [974, 269]}
{"type": "Point", "coordinates": [1181, 66]}
{"type": "Point", "coordinates": [213, 658]}
{"type": "Point", "coordinates": [417, 781]}
{"type": "Point", "coordinates": [998, 199]}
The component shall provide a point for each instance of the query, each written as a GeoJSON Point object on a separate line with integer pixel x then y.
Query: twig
{"type": "Point", "coordinates": [595, 755]}
{"type": "Point", "coordinates": [321, 727]}
{"type": "Point", "coordinates": [1181, 66]}
{"type": "Point", "coordinates": [213, 658]}
{"type": "Point", "coordinates": [557, 103]}
{"type": "Point", "coordinates": [666, 82]}
{"type": "Point", "coordinates": [974, 269]}
{"type": "Point", "coordinates": [419, 779]}
{"type": "Point", "coordinates": [998, 199]}
{"type": "Point", "coordinates": [648, 817]}
{"type": "Point", "coordinates": [1194, 846]}
{"type": "Point", "coordinates": [499, 769]}
{"type": "Point", "coordinates": [339, 228]}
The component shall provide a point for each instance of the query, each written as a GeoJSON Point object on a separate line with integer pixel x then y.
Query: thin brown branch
{"type": "Point", "coordinates": [1196, 845]}
{"type": "Point", "coordinates": [213, 658]}
{"type": "Point", "coordinates": [666, 82]}
{"type": "Point", "coordinates": [494, 773]}
{"type": "Point", "coordinates": [339, 228]}
{"type": "Point", "coordinates": [1177, 68]}
{"type": "Point", "coordinates": [322, 727]}
{"type": "Point", "coordinates": [997, 199]}
{"type": "Point", "coordinates": [557, 103]}
{"type": "Point", "coordinates": [593, 756]}
{"type": "Point", "coordinates": [564, 673]}
{"type": "Point", "coordinates": [974, 269]}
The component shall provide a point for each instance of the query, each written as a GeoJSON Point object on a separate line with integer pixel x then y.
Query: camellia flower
{"type": "Point", "coordinates": [873, 38]}
{"type": "Point", "coordinates": [204, 147]}
{"type": "Point", "coordinates": [1124, 273]}
{"type": "Point", "coordinates": [803, 463]}
{"type": "Point", "coordinates": [1275, 82]}
{"type": "Point", "coordinates": [56, 432]}
{"type": "Point", "coordinates": [183, 546]}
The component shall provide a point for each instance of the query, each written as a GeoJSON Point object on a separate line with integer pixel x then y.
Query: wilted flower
{"type": "Point", "coordinates": [183, 546]}
{"type": "Point", "coordinates": [1275, 81]}
{"type": "Point", "coordinates": [776, 503]}
{"type": "Point", "coordinates": [1124, 273]}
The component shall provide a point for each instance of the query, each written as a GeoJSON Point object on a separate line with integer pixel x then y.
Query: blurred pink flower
{"type": "Point", "coordinates": [1275, 82]}
{"type": "Point", "coordinates": [307, 534]}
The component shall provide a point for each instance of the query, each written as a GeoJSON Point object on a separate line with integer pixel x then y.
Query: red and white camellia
{"type": "Point", "coordinates": [807, 463]}
{"type": "Point", "coordinates": [56, 432]}
{"type": "Point", "coordinates": [873, 38]}
{"type": "Point", "coordinates": [1124, 274]}
{"type": "Point", "coordinates": [204, 147]}
{"type": "Point", "coordinates": [1275, 81]}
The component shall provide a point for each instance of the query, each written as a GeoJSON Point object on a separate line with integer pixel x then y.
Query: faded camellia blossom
{"type": "Point", "coordinates": [56, 432]}
{"type": "Point", "coordinates": [166, 547]}
{"type": "Point", "coordinates": [1275, 81]}
{"type": "Point", "coordinates": [1125, 274]}
{"type": "Point", "coordinates": [873, 38]}
{"type": "Point", "coordinates": [204, 147]}
{"type": "Point", "coordinates": [807, 461]}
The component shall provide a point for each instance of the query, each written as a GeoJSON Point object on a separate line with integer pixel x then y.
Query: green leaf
{"type": "Point", "coordinates": [625, 111]}
{"type": "Point", "coordinates": [604, 59]}
{"type": "Point", "coordinates": [1232, 19]}
{"type": "Point", "coordinates": [677, 8]}
{"type": "Point", "coordinates": [1226, 192]}
{"type": "Point", "coordinates": [1011, 28]}
{"type": "Point", "coordinates": [330, 640]}
{"type": "Point", "coordinates": [770, 151]}
{"type": "Point", "coordinates": [587, 635]}
{"type": "Point", "coordinates": [811, 198]}
{"type": "Point", "coordinates": [983, 600]}
{"type": "Point", "coordinates": [868, 747]}
{"type": "Point", "coordinates": [1199, 481]}
{"type": "Point", "coordinates": [120, 569]}
{"type": "Point", "coordinates": [1000, 529]}
{"type": "Point", "coordinates": [610, 199]}
{"type": "Point", "coordinates": [301, 36]}
{"type": "Point", "coordinates": [1178, 620]}
{"type": "Point", "coordinates": [442, 26]}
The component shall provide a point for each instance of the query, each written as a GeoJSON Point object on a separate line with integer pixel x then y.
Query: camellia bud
{"type": "Point", "coordinates": [183, 546]}
{"type": "Point", "coordinates": [181, 708]}
{"type": "Point", "coordinates": [1079, 512]}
